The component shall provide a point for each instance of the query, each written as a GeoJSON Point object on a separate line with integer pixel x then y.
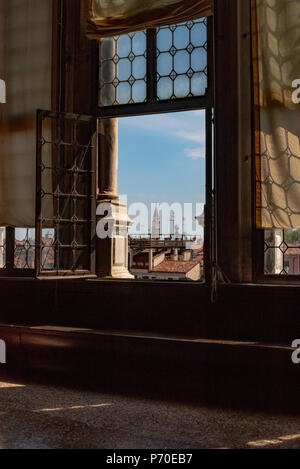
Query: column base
{"type": "Point", "coordinates": [112, 252]}
{"type": "Point", "coordinates": [126, 275]}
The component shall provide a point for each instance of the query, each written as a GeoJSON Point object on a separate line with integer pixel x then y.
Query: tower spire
{"type": "Point", "coordinates": [156, 224]}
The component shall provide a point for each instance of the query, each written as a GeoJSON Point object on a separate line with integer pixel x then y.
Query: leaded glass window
{"type": "Point", "coordinates": [123, 69]}
{"type": "Point", "coordinates": [182, 60]}
{"type": "Point", "coordinates": [165, 64]}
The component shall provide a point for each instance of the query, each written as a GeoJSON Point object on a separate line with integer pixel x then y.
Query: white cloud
{"type": "Point", "coordinates": [195, 153]}
{"type": "Point", "coordinates": [194, 136]}
{"type": "Point", "coordinates": [185, 125]}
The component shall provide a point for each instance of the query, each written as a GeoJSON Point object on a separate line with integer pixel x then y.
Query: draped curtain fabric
{"type": "Point", "coordinates": [25, 65]}
{"type": "Point", "coordinates": [116, 17]}
{"type": "Point", "coordinates": [276, 37]}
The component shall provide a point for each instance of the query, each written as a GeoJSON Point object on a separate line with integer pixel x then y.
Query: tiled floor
{"type": "Point", "coordinates": [34, 416]}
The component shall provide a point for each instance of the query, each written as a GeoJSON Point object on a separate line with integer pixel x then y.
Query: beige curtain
{"type": "Point", "coordinates": [115, 17]}
{"type": "Point", "coordinates": [25, 65]}
{"type": "Point", "coordinates": [276, 34]}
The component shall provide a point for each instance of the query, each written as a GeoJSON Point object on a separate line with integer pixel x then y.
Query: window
{"type": "Point", "coordinates": [140, 71]}
{"type": "Point", "coordinates": [177, 53]}
{"type": "Point", "coordinates": [17, 251]}
{"type": "Point", "coordinates": [123, 70]}
{"type": "Point", "coordinates": [182, 60]}
{"type": "Point", "coordinates": [24, 257]}
{"type": "Point", "coordinates": [151, 72]}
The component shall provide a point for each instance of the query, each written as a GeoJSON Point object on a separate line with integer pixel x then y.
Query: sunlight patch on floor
{"type": "Point", "coordinates": [77, 407]}
{"type": "Point", "coordinates": [11, 385]}
{"type": "Point", "coordinates": [276, 441]}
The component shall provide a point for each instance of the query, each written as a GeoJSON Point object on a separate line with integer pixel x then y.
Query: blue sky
{"type": "Point", "coordinates": [162, 158]}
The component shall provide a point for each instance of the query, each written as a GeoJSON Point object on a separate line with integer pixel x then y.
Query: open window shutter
{"type": "Point", "coordinates": [67, 153]}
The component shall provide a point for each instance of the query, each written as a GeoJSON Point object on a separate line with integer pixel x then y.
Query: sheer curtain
{"type": "Point", "coordinates": [276, 35]}
{"type": "Point", "coordinates": [25, 65]}
{"type": "Point", "coordinates": [116, 17]}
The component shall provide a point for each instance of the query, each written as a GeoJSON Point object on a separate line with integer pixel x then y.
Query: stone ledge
{"type": "Point", "coordinates": [220, 372]}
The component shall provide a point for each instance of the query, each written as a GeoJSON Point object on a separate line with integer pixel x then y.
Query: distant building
{"type": "Point", "coordinates": [156, 224]}
{"type": "Point", "coordinates": [171, 269]}
{"type": "Point", "coordinates": [291, 259]}
{"type": "Point", "coordinates": [167, 263]}
{"type": "Point", "coordinates": [158, 257]}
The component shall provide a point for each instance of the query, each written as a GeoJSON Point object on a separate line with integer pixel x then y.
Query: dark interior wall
{"type": "Point", "coordinates": [233, 90]}
{"type": "Point", "coordinates": [255, 313]}
{"type": "Point", "coordinates": [79, 61]}
{"type": "Point", "coordinates": [148, 307]}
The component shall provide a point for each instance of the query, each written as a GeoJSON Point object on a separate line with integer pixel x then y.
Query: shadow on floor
{"type": "Point", "coordinates": [55, 416]}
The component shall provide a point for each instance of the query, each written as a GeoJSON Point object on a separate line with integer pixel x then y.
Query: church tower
{"type": "Point", "coordinates": [156, 224]}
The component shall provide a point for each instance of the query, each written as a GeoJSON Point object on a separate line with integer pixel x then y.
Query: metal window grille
{"type": "Point", "coordinates": [66, 194]}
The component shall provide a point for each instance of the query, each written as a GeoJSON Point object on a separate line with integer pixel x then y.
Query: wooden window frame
{"type": "Point", "coordinates": [153, 106]}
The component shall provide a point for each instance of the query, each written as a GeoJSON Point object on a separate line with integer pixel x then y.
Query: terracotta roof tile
{"type": "Point", "coordinates": [177, 266]}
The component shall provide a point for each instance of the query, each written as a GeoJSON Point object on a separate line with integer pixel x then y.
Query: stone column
{"type": "Point", "coordinates": [112, 251]}
{"type": "Point", "coordinates": [274, 257]}
{"type": "Point", "coordinates": [108, 159]}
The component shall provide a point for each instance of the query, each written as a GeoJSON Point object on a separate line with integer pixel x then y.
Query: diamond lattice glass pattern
{"type": "Point", "coordinates": [66, 173]}
{"type": "Point", "coordinates": [123, 69]}
{"type": "Point", "coordinates": [182, 60]}
{"type": "Point", "coordinates": [278, 179]}
{"type": "Point", "coordinates": [282, 252]}
{"type": "Point", "coordinates": [24, 256]}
